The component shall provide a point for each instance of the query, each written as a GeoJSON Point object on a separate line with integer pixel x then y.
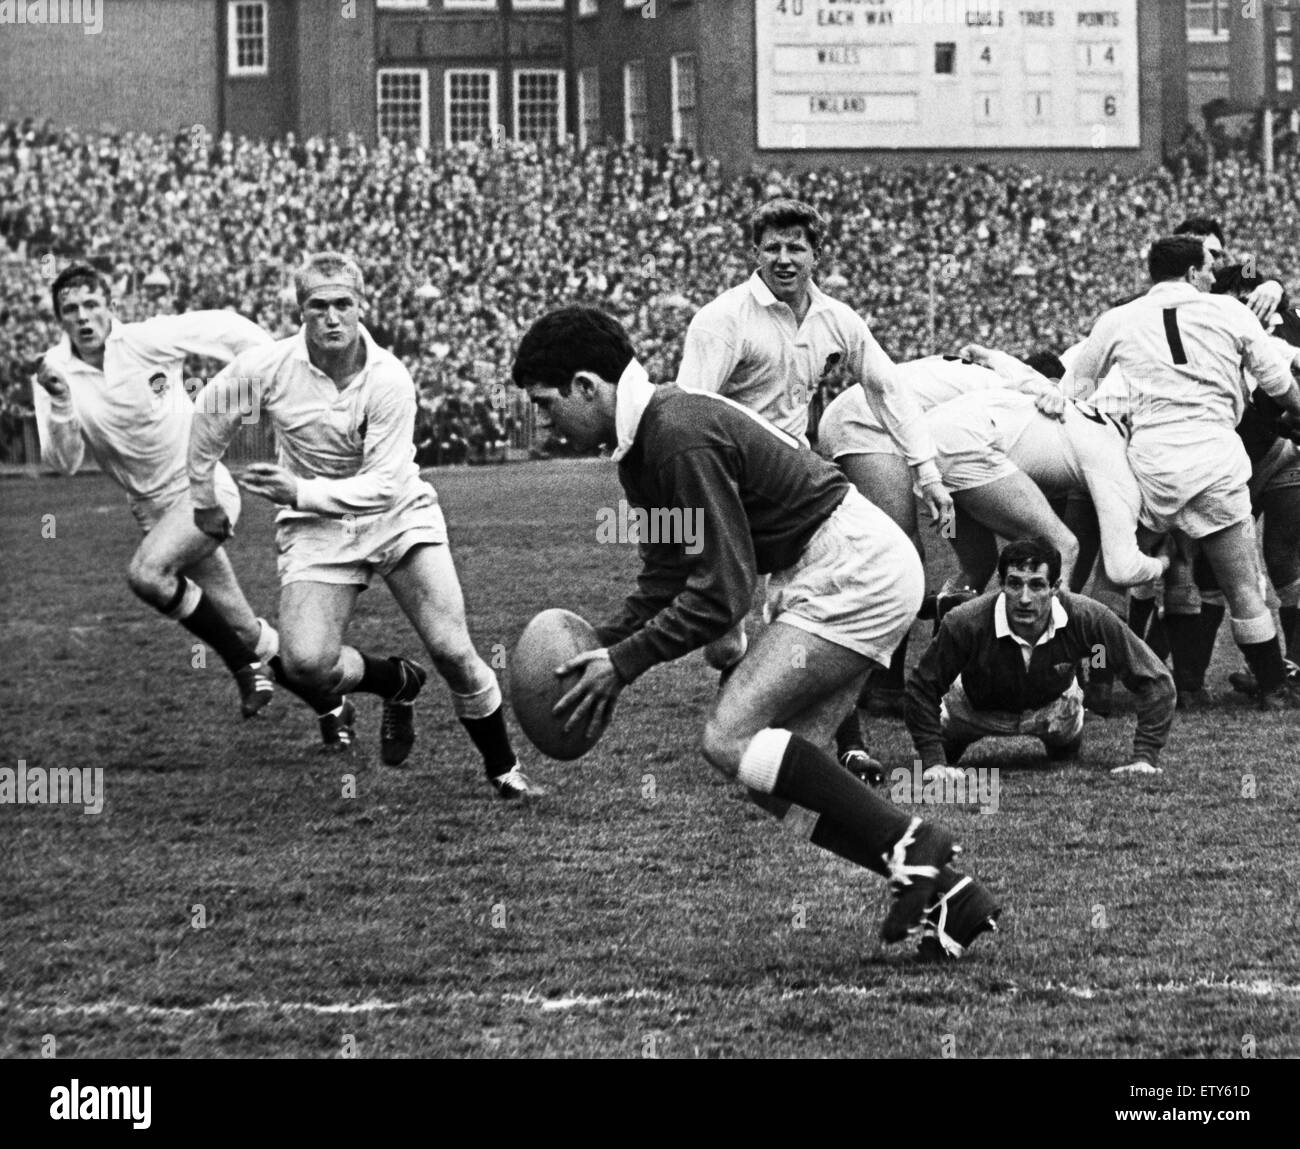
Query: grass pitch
{"type": "Point", "coordinates": [643, 908]}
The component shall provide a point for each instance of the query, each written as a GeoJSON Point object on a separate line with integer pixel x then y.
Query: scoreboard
{"type": "Point", "coordinates": [873, 74]}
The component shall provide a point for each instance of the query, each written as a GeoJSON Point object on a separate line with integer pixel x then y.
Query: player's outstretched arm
{"type": "Point", "coordinates": [219, 335]}
{"type": "Point", "coordinates": [231, 397]}
{"type": "Point", "coordinates": [1143, 674]}
{"type": "Point", "coordinates": [62, 444]}
{"type": "Point", "coordinates": [937, 670]}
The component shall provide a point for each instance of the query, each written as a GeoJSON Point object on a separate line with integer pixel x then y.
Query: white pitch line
{"type": "Point", "coordinates": [114, 1007]}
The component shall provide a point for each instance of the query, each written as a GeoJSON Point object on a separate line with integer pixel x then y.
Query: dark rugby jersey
{"type": "Point", "coordinates": [757, 497]}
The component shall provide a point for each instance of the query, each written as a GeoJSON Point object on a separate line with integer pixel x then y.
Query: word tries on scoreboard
{"type": "Point", "coordinates": [946, 74]}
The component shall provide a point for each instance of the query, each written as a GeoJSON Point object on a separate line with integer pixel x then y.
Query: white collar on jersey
{"type": "Point", "coordinates": [763, 294]}
{"type": "Point", "coordinates": [1002, 627]}
{"type": "Point", "coordinates": [1174, 289]}
{"type": "Point", "coordinates": [634, 393]}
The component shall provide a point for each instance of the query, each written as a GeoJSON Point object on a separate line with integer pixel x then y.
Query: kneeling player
{"type": "Point", "coordinates": [1007, 664]}
{"type": "Point", "coordinates": [845, 585]}
{"type": "Point", "coordinates": [353, 506]}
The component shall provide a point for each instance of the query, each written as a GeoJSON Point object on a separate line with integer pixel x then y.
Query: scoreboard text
{"type": "Point", "coordinates": [947, 74]}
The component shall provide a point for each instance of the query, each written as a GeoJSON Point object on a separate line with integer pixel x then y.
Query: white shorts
{"type": "Point", "coordinates": [968, 448]}
{"type": "Point", "coordinates": [148, 512]}
{"type": "Point", "coordinates": [1194, 478]}
{"type": "Point", "coordinates": [849, 427]}
{"type": "Point", "coordinates": [349, 550]}
{"type": "Point", "coordinates": [858, 583]}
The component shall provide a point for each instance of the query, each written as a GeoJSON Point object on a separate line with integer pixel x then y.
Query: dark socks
{"type": "Point", "coordinates": [493, 741]}
{"type": "Point", "coordinates": [859, 820]}
{"type": "Point", "coordinates": [383, 676]}
{"type": "Point", "coordinates": [849, 734]}
{"type": "Point", "coordinates": [207, 623]}
{"type": "Point", "coordinates": [1182, 630]}
{"type": "Point", "coordinates": [1265, 662]}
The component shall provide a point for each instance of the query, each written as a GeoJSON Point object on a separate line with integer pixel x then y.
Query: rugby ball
{"type": "Point", "coordinates": [552, 638]}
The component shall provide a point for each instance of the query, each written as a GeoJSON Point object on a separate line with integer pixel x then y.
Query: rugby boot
{"type": "Point", "coordinates": [914, 863]}
{"type": "Point", "coordinates": [397, 726]}
{"type": "Point", "coordinates": [256, 688]}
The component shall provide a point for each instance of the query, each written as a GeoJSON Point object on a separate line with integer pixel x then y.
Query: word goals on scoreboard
{"type": "Point", "coordinates": [835, 74]}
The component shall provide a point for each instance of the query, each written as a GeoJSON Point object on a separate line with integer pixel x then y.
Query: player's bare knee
{"type": "Point", "coordinates": [149, 581]}
{"type": "Point", "coordinates": [721, 748]}
{"type": "Point", "coordinates": [315, 669]}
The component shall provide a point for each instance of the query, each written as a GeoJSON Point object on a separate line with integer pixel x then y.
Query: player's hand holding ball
{"type": "Point", "coordinates": [562, 684]}
{"type": "Point", "coordinates": [589, 705]}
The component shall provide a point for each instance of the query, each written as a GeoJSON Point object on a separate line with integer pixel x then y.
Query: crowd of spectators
{"type": "Point", "coordinates": [463, 248]}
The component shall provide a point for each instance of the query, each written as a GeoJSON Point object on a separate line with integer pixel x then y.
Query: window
{"type": "Point", "coordinates": [539, 105]}
{"type": "Point", "coordinates": [589, 126]}
{"type": "Point", "coordinates": [401, 3]}
{"type": "Point", "coordinates": [471, 101]}
{"type": "Point", "coordinates": [469, 3]}
{"type": "Point", "coordinates": [525, 5]}
{"type": "Point", "coordinates": [945, 58]}
{"type": "Point", "coordinates": [402, 99]}
{"type": "Point", "coordinates": [683, 81]}
{"type": "Point", "coordinates": [1207, 19]}
{"type": "Point", "coordinates": [246, 38]}
{"type": "Point", "coordinates": [634, 102]}
{"type": "Point", "coordinates": [1285, 79]}
{"type": "Point", "coordinates": [588, 7]}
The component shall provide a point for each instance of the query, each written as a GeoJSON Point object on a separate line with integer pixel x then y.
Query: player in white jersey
{"type": "Point", "coordinates": [353, 506]}
{"type": "Point", "coordinates": [770, 341]}
{"type": "Point", "coordinates": [118, 389]}
{"type": "Point", "coordinates": [1185, 353]}
{"type": "Point", "coordinates": [982, 439]}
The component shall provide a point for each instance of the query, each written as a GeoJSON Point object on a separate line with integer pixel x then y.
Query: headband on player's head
{"type": "Point", "coordinates": [333, 270]}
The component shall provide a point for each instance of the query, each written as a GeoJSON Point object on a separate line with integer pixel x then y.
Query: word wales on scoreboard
{"type": "Point", "coordinates": [839, 74]}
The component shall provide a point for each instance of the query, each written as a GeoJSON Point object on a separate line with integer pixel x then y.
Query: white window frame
{"type": "Point", "coordinates": [401, 3]}
{"type": "Point", "coordinates": [538, 6]}
{"type": "Point", "coordinates": [424, 98]}
{"type": "Point", "coordinates": [1209, 35]}
{"type": "Point", "coordinates": [494, 103]}
{"type": "Point", "coordinates": [588, 7]}
{"type": "Point", "coordinates": [233, 66]}
{"type": "Point", "coordinates": [561, 119]}
{"type": "Point", "coordinates": [469, 3]}
{"type": "Point", "coordinates": [674, 65]}
{"type": "Point", "coordinates": [627, 99]}
{"type": "Point", "coordinates": [583, 94]}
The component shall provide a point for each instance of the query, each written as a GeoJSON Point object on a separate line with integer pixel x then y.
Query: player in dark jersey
{"type": "Point", "coordinates": [845, 585]}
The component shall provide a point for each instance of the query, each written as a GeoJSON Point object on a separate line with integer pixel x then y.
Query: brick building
{"type": "Point", "coordinates": [797, 82]}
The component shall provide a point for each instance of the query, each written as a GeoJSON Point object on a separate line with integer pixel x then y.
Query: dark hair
{"type": "Point", "coordinates": [1030, 553]}
{"type": "Point", "coordinates": [783, 213]}
{"type": "Point", "coordinates": [1200, 225]}
{"type": "Point", "coordinates": [567, 341]}
{"type": "Point", "coordinates": [1046, 363]}
{"type": "Point", "coordinates": [79, 275]}
{"type": "Point", "coordinates": [1172, 257]}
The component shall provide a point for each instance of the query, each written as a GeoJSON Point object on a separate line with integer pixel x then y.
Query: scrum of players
{"type": "Point", "coordinates": [1154, 443]}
